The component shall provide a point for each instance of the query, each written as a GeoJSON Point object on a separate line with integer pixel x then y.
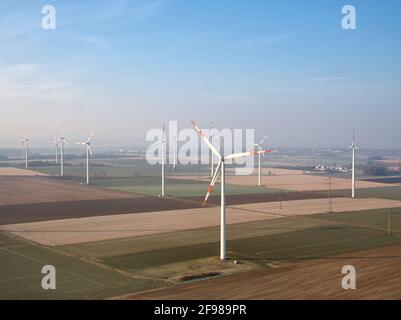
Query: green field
{"type": "Point", "coordinates": [113, 168]}
{"type": "Point", "coordinates": [95, 171]}
{"type": "Point", "coordinates": [193, 189]}
{"type": "Point", "coordinates": [20, 274]}
{"type": "Point", "coordinates": [174, 187]}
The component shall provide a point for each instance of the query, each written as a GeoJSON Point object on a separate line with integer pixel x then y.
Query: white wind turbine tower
{"type": "Point", "coordinates": [353, 147]}
{"type": "Point", "coordinates": [88, 152]}
{"type": "Point", "coordinates": [259, 146]}
{"type": "Point", "coordinates": [221, 169]}
{"type": "Point", "coordinates": [25, 144]}
{"type": "Point", "coordinates": [175, 152]}
{"type": "Point", "coordinates": [211, 138]}
{"type": "Point", "coordinates": [163, 160]}
{"type": "Point", "coordinates": [22, 149]}
{"type": "Point", "coordinates": [62, 143]}
{"type": "Point", "coordinates": [56, 143]}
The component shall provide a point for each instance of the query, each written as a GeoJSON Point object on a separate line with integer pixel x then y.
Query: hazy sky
{"type": "Point", "coordinates": [119, 68]}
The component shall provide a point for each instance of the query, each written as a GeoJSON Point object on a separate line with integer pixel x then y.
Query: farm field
{"type": "Point", "coordinates": [274, 250]}
{"type": "Point", "coordinates": [270, 245]}
{"type": "Point", "coordinates": [174, 187]}
{"type": "Point", "coordinates": [317, 279]}
{"type": "Point", "coordinates": [388, 192]}
{"type": "Point", "coordinates": [89, 208]}
{"type": "Point", "coordinates": [153, 250]}
{"type": "Point", "coordinates": [61, 232]}
{"type": "Point", "coordinates": [269, 171]}
{"type": "Point", "coordinates": [118, 228]}
{"type": "Point", "coordinates": [298, 182]}
{"type": "Point", "coordinates": [112, 169]}
{"type": "Point", "coordinates": [8, 171]}
{"type": "Point", "coordinates": [20, 274]}
{"type": "Point", "coordinates": [16, 190]}
{"type": "Point", "coordinates": [79, 171]}
{"type": "Point", "coordinates": [281, 195]}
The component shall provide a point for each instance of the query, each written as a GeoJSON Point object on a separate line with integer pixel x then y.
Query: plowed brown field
{"type": "Point", "coordinates": [377, 277]}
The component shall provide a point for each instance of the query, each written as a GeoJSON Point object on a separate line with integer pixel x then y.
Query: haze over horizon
{"type": "Point", "coordinates": [121, 68]}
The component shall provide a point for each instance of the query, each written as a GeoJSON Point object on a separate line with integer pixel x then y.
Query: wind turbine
{"type": "Point", "coordinates": [353, 147]}
{"type": "Point", "coordinates": [221, 169]}
{"type": "Point", "coordinates": [62, 143]}
{"type": "Point", "coordinates": [88, 151]}
{"type": "Point", "coordinates": [259, 147]}
{"type": "Point", "coordinates": [25, 144]}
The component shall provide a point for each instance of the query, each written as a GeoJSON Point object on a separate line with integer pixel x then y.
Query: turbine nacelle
{"type": "Point", "coordinates": [87, 143]}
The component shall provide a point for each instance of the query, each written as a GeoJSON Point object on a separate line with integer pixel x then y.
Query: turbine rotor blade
{"type": "Point", "coordinates": [246, 154]}
{"type": "Point", "coordinates": [212, 183]}
{"type": "Point", "coordinates": [265, 151]}
{"type": "Point", "coordinates": [90, 137]}
{"type": "Point", "coordinates": [90, 150]}
{"type": "Point", "coordinates": [263, 140]}
{"type": "Point", "coordinates": [205, 138]}
{"type": "Point", "coordinates": [239, 155]}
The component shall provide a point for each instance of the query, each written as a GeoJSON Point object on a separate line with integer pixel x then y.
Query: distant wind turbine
{"type": "Point", "coordinates": [220, 169]}
{"type": "Point", "coordinates": [353, 147]}
{"type": "Point", "coordinates": [259, 146]}
{"type": "Point", "coordinates": [163, 160]}
{"type": "Point", "coordinates": [56, 143]}
{"type": "Point", "coordinates": [62, 143]}
{"type": "Point", "coordinates": [25, 144]}
{"type": "Point", "coordinates": [88, 152]}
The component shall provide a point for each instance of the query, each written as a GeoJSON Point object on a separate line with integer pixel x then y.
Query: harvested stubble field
{"type": "Point", "coordinates": [16, 190]}
{"type": "Point", "coordinates": [294, 181]}
{"type": "Point", "coordinates": [393, 193]}
{"type": "Point", "coordinates": [271, 171]}
{"type": "Point", "coordinates": [72, 231]}
{"type": "Point", "coordinates": [19, 172]}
